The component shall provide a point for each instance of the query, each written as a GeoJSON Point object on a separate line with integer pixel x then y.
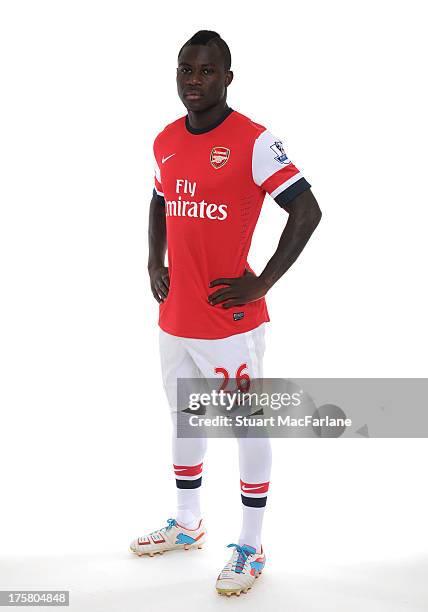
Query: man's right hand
{"type": "Point", "coordinates": [159, 282]}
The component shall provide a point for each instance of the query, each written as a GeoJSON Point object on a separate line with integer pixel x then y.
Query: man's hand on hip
{"type": "Point", "coordinates": [239, 290]}
{"type": "Point", "coordinates": [159, 282]}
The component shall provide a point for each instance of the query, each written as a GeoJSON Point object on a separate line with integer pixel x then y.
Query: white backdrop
{"type": "Point", "coordinates": [84, 448]}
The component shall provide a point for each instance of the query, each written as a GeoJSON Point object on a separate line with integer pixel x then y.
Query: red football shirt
{"type": "Point", "coordinates": [213, 183]}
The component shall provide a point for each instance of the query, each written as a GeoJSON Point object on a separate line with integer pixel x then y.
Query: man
{"type": "Point", "coordinates": [213, 168]}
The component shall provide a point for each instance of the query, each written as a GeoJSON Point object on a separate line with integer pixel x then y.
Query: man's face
{"type": "Point", "coordinates": [201, 77]}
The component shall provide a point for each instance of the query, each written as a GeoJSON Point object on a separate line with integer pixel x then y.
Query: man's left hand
{"type": "Point", "coordinates": [239, 290]}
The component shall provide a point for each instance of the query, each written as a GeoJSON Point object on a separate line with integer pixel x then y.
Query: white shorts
{"type": "Point", "coordinates": [234, 357]}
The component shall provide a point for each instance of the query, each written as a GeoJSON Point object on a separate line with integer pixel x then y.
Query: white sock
{"type": "Point", "coordinates": [255, 460]}
{"type": "Point", "coordinates": [252, 520]}
{"type": "Point", "coordinates": [188, 507]}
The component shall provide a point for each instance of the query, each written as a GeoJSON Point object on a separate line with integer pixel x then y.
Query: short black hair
{"type": "Point", "coordinates": [208, 37]}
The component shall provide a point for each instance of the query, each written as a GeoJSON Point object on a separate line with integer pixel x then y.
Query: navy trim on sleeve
{"type": "Point", "coordinates": [161, 198]}
{"type": "Point", "coordinates": [285, 197]}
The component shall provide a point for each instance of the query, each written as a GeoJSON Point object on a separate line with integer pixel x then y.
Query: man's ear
{"type": "Point", "coordinates": [229, 78]}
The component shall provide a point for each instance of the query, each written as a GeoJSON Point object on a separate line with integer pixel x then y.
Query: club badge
{"type": "Point", "coordinates": [219, 157]}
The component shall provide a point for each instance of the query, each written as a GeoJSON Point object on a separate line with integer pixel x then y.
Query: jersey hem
{"type": "Point", "coordinates": [193, 337]}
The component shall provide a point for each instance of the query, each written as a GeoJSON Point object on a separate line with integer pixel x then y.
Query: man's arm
{"type": "Point", "coordinates": [159, 276]}
{"type": "Point", "coordinates": [304, 216]}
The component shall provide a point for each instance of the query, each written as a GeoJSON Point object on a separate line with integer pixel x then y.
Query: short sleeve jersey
{"type": "Point", "coordinates": [212, 183]}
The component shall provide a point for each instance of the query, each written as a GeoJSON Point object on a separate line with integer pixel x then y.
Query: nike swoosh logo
{"type": "Point", "coordinates": [253, 489]}
{"type": "Point", "coordinates": [164, 159]}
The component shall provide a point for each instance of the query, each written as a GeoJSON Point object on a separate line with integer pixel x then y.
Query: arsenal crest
{"type": "Point", "coordinates": [219, 157]}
